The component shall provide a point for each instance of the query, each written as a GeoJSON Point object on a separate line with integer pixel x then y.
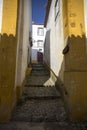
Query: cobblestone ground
{"type": "Point", "coordinates": [41, 107]}
{"type": "Point", "coordinates": [40, 110]}
{"type": "Point", "coordinates": [42, 126]}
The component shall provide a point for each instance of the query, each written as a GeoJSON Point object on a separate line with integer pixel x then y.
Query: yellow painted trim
{"type": "Point", "coordinates": [8, 49]}
{"type": "Point", "coordinates": [28, 70]}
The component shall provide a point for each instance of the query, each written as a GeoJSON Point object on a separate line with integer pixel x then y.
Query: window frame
{"type": "Point", "coordinates": [38, 42]}
{"type": "Point", "coordinates": [38, 33]}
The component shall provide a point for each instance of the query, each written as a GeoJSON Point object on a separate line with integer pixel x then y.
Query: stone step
{"type": "Point", "coordinates": [61, 125]}
{"type": "Point", "coordinates": [37, 65]}
{"type": "Point", "coordinates": [36, 74]}
{"type": "Point", "coordinates": [41, 92]}
{"type": "Point", "coordinates": [36, 80]}
{"type": "Point", "coordinates": [40, 110]}
{"type": "Point", "coordinates": [38, 69]}
{"type": "Point", "coordinates": [40, 72]}
{"type": "Point", "coordinates": [26, 85]}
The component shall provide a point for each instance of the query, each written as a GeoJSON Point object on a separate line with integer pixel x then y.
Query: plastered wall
{"type": "Point", "coordinates": [26, 30]}
{"type": "Point", "coordinates": [36, 38]}
{"type": "Point", "coordinates": [75, 60]}
{"type": "Point", "coordinates": [85, 16]}
{"type": "Point", "coordinates": [8, 46]}
{"type": "Point", "coordinates": [1, 6]}
{"type": "Point", "coordinates": [23, 50]}
{"type": "Point", "coordinates": [66, 54]}
{"type": "Point", "coordinates": [14, 45]}
{"type": "Point", "coordinates": [54, 40]}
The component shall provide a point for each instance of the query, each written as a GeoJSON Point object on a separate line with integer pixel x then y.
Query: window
{"type": "Point", "coordinates": [40, 50]}
{"type": "Point", "coordinates": [40, 43]}
{"type": "Point", "coordinates": [40, 31]}
{"type": "Point", "coordinates": [57, 8]}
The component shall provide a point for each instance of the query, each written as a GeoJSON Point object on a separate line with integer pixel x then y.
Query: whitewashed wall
{"type": "Point", "coordinates": [54, 40]}
{"type": "Point", "coordinates": [24, 30]}
{"type": "Point", "coordinates": [35, 38]}
{"type": "Point", "coordinates": [85, 15]}
{"type": "Point", "coordinates": [1, 6]}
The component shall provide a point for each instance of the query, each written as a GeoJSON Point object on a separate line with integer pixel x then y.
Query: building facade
{"type": "Point", "coordinates": [15, 30]}
{"type": "Point", "coordinates": [38, 36]}
{"type": "Point", "coordinates": [66, 52]}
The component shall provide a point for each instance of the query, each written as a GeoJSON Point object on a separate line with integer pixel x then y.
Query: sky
{"type": "Point", "coordinates": [38, 11]}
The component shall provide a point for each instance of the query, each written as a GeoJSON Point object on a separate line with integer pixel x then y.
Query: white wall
{"type": "Point", "coordinates": [30, 29]}
{"type": "Point", "coordinates": [1, 6]}
{"type": "Point", "coordinates": [35, 38]}
{"type": "Point", "coordinates": [34, 54]}
{"type": "Point", "coordinates": [54, 40]}
{"type": "Point", "coordinates": [18, 81]}
{"type": "Point", "coordinates": [85, 15]}
{"type": "Point", "coordinates": [24, 30]}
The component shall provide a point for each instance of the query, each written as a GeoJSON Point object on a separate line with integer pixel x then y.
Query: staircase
{"type": "Point", "coordinates": [41, 107]}
{"type": "Point", "coordinates": [41, 102]}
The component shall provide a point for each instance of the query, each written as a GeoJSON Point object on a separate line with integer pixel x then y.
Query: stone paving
{"type": "Point", "coordinates": [40, 102]}
{"type": "Point", "coordinates": [41, 111]}
{"type": "Point", "coordinates": [41, 106]}
{"type": "Point", "coordinates": [42, 126]}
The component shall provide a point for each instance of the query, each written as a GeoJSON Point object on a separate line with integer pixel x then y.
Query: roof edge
{"type": "Point", "coordinates": [47, 12]}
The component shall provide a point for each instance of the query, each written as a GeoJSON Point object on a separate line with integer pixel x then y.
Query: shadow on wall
{"type": "Point", "coordinates": [8, 48]}
{"type": "Point", "coordinates": [47, 49]}
{"type": "Point", "coordinates": [76, 58]}
{"type": "Point", "coordinates": [72, 78]}
{"type": "Point", "coordinates": [34, 54]}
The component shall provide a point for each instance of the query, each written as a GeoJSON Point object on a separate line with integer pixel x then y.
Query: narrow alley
{"type": "Point", "coordinates": [41, 102]}
{"type": "Point", "coordinates": [43, 64]}
{"type": "Point", "coordinates": [41, 106]}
